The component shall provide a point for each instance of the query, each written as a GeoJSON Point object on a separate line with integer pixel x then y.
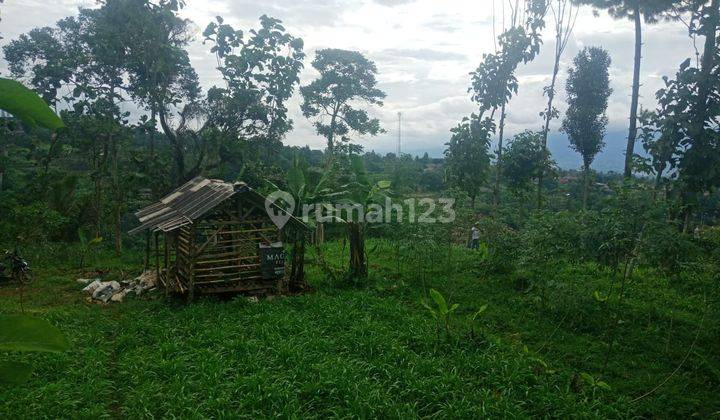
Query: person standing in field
{"type": "Point", "coordinates": [474, 237]}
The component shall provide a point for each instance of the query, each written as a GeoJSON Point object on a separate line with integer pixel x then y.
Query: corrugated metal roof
{"type": "Point", "coordinates": [190, 201]}
{"type": "Point", "coordinates": [185, 204]}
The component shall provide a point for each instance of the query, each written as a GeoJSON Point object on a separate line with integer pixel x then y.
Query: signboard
{"type": "Point", "coordinates": [272, 260]}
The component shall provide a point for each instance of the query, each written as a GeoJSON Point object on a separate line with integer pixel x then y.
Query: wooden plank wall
{"type": "Point", "coordinates": [219, 252]}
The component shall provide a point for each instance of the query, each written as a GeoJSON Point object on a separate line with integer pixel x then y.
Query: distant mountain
{"type": "Point", "coordinates": [611, 158]}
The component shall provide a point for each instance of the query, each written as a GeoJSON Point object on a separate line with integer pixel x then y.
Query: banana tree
{"type": "Point", "coordinates": [360, 193]}
{"type": "Point", "coordinates": [303, 193]}
{"type": "Point", "coordinates": [19, 332]}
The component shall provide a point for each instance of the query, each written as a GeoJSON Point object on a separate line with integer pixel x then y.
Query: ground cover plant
{"type": "Point", "coordinates": [506, 285]}
{"type": "Point", "coordinates": [373, 350]}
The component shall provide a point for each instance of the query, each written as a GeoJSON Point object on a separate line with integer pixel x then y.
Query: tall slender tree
{"type": "Point", "coordinates": [494, 82]}
{"type": "Point", "coordinates": [564, 15]}
{"type": "Point", "coordinates": [588, 90]}
{"type": "Point", "coordinates": [638, 11]}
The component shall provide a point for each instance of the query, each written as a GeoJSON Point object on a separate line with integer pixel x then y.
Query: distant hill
{"type": "Point", "coordinates": [611, 158]}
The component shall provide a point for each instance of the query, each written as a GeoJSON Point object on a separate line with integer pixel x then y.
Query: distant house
{"type": "Point", "coordinates": [217, 237]}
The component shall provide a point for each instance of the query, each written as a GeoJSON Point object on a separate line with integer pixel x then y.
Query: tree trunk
{"type": "Point", "coordinates": [118, 230]}
{"type": "Point", "coordinates": [686, 219]}
{"type": "Point", "coordinates": [358, 263]}
{"type": "Point", "coordinates": [548, 117]}
{"type": "Point", "coordinates": [331, 137]}
{"type": "Point", "coordinates": [177, 148]}
{"type": "Point", "coordinates": [632, 131]}
{"type": "Point", "coordinates": [3, 162]}
{"type": "Point", "coordinates": [117, 199]}
{"type": "Point", "coordinates": [297, 270]}
{"type": "Point", "coordinates": [586, 185]}
{"type": "Point", "coordinates": [148, 235]}
{"type": "Point", "coordinates": [658, 180]}
{"type": "Point", "coordinates": [319, 233]}
{"type": "Point", "coordinates": [498, 163]}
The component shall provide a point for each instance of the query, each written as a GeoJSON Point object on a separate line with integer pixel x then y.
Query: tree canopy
{"type": "Point", "coordinates": [346, 79]}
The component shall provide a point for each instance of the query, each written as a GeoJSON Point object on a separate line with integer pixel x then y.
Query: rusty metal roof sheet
{"type": "Point", "coordinates": [190, 201]}
{"type": "Point", "coordinates": [185, 204]}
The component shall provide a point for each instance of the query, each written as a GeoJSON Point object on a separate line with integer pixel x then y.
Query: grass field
{"type": "Point", "coordinates": [372, 350]}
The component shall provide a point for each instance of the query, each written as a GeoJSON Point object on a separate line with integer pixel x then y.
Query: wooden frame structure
{"type": "Point", "coordinates": [211, 235]}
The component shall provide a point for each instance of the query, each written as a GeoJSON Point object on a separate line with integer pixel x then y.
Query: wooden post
{"type": "Point", "coordinates": [191, 266]}
{"type": "Point", "coordinates": [167, 260]}
{"type": "Point", "coordinates": [157, 255]}
{"type": "Point", "coordinates": [148, 236]}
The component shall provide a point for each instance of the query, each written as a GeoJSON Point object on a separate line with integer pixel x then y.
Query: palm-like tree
{"type": "Point", "coordinates": [303, 193]}
{"type": "Point", "coordinates": [361, 192]}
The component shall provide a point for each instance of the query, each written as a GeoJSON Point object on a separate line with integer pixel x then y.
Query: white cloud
{"type": "Point", "coordinates": [424, 50]}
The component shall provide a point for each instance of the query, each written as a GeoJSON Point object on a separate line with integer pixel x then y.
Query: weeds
{"type": "Point", "coordinates": [369, 352]}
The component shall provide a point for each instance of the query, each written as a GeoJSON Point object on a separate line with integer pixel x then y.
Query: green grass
{"type": "Point", "coordinates": [372, 350]}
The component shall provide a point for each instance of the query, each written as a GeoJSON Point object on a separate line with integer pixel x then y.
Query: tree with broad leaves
{"type": "Point", "coordinates": [660, 135]}
{"type": "Point", "coordinates": [564, 15]}
{"type": "Point", "coordinates": [160, 74]}
{"type": "Point", "coordinates": [637, 10]}
{"type": "Point", "coordinates": [260, 72]}
{"type": "Point", "coordinates": [588, 90]}
{"type": "Point", "coordinates": [306, 190]}
{"type": "Point", "coordinates": [524, 161]}
{"type": "Point", "coordinates": [467, 159]}
{"type": "Point", "coordinates": [522, 165]}
{"type": "Point", "coordinates": [689, 111]}
{"type": "Point", "coordinates": [79, 64]}
{"type": "Point", "coordinates": [493, 82]}
{"type": "Point", "coordinates": [346, 78]}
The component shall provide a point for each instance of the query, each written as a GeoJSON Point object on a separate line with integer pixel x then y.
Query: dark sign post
{"type": "Point", "coordinates": [272, 260]}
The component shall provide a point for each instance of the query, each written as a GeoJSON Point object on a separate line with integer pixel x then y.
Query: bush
{"type": "Point", "coordinates": [34, 223]}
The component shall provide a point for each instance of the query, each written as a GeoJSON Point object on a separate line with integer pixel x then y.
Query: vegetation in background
{"type": "Point", "coordinates": [588, 90]}
{"type": "Point", "coordinates": [346, 78]}
{"type": "Point", "coordinates": [607, 312]}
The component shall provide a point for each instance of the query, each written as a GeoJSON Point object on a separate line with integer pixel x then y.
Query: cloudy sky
{"type": "Point", "coordinates": [424, 50]}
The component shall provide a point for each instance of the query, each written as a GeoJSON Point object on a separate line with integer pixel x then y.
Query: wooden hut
{"type": "Point", "coordinates": [217, 237]}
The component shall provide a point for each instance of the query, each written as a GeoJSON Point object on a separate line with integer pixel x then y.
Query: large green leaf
{"type": "Point", "coordinates": [296, 179]}
{"type": "Point", "coordinates": [14, 373]}
{"type": "Point", "coordinates": [358, 167]}
{"type": "Point", "coordinates": [439, 300]}
{"type": "Point", "coordinates": [26, 105]}
{"type": "Point", "coordinates": [383, 184]}
{"type": "Point", "coordinates": [24, 333]}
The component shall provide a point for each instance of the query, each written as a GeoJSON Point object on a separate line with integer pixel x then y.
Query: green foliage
{"type": "Point", "coordinates": [14, 373]}
{"type": "Point", "coordinates": [367, 346]}
{"type": "Point", "coordinates": [594, 382]}
{"type": "Point", "coordinates": [588, 90]}
{"type": "Point", "coordinates": [27, 105]}
{"type": "Point", "coordinates": [24, 333]}
{"type": "Point", "coordinates": [442, 312]}
{"type": "Point", "coordinates": [86, 246]}
{"type": "Point", "coordinates": [467, 159]}
{"type": "Point", "coordinates": [260, 73]}
{"type": "Point", "coordinates": [20, 333]}
{"type": "Point", "coordinates": [522, 161]}
{"type": "Point", "coordinates": [345, 77]}
{"type": "Point", "coordinates": [493, 83]}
